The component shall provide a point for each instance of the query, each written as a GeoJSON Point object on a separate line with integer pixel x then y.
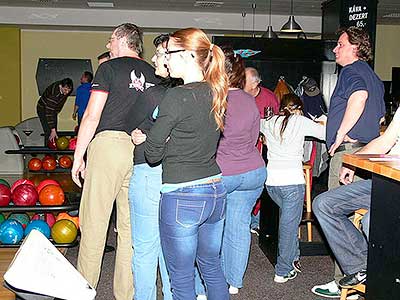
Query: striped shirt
{"type": "Point", "coordinates": [52, 101]}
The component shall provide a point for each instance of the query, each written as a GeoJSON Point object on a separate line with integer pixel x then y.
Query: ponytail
{"type": "Point", "coordinates": [215, 75]}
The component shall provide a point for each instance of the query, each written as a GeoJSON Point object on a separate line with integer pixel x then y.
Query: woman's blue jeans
{"type": "Point", "coordinates": [144, 200]}
{"type": "Point", "coordinates": [243, 191]}
{"type": "Point", "coordinates": [290, 199]}
{"type": "Point", "coordinates": [191, 225]}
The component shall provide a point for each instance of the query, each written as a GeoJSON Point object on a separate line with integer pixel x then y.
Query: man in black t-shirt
{"type": "Point", "coordinates": [115, 89]}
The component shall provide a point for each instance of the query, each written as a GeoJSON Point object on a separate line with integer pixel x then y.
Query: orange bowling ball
{"type": "Point", "coordinates": [64, 232]}
{"type": "Point", "coordinates": [66, 216]}
{"type": "Point", "coordinates": [51, 195]}
{"type": "Point", "coordinates": [35, 164]}
{"type": "Point", "coordinates": [65, 162]}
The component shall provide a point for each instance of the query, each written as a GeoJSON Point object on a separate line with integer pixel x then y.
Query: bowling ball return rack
{"type": "Point", "coordinates": [71, 204]}
{"type": "Point", "coordinates": [35, 150]}
{"type": "Point", "coordinates": [39, 150]}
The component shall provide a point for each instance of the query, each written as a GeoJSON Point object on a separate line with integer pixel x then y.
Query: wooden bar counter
{"type": "Point", "coordinates": [383, 270]}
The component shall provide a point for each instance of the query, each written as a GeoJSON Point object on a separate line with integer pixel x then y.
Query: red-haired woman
{"type": "Point", "coordinates": [185, 138]}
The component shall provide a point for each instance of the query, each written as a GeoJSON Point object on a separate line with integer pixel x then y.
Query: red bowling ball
{"type": "Point", "coordinates": [5, 195]}
{"type": "Point", "coordinates": [72, 143]}
{"type": "Point", "coordinates": [25, 195]}
{"type": "Point", "coordinates": [46, 182]}
{"type": "Point", "coordinates": [52, 144]}
{"type": "Point", "coordinates": [47, 217]}
{"type": "Point", "coordinates": [49, 163]}
{"type": "Point", "coordinates": [19, 182]}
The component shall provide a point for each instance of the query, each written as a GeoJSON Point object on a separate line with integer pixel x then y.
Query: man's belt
{"type": "Point", "coordinates": [347, 146]}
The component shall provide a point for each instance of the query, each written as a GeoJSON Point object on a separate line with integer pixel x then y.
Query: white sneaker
{"type": "Point", "coordinates": [282, 279]}
{"type": "Point", "coordinates": [330, 290]}
{"type": "Point", "coordinates": [233, 290]}
{"type": "Point", "coordinates": [201, 297]}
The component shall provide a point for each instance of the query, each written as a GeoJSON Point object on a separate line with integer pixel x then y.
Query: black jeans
{"type": "Point", "coordinates": [43, 120]}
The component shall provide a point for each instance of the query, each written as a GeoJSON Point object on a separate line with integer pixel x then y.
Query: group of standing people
{"type": "Point", "coordinates": [175, 149]}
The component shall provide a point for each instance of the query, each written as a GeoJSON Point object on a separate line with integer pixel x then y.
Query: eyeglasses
{"type": "Point", "coordinates": [168, 52]}
{"type": "Point", "coordinates": [160, 54]}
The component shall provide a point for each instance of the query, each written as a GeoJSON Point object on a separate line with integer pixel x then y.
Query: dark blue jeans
{"type": "Point", "coordinates": [191, 225]}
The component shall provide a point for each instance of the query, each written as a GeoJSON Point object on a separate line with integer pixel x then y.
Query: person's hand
{"type": "Point", "coordinates": [53, 134]}
{"type": "Point", "coordinates": [346, 175]}
{"type": "Point", "coordinates": [138, 137]}
{"type": "Point", "coordinates": [74, 116]}
{"type": "Point", "coordinates": [340, 138]}
{"type": "Point", "coordinates": [78, 168]}
{"type": "Point", "coordinates": [322, 119]}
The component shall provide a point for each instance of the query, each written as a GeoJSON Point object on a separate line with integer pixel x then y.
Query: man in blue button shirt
{"type": "Point", "coordinates": [82, 95]}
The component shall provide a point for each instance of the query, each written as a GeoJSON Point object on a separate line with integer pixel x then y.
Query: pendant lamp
{"type": "Point", "coordinates": [269, 34]}
{"type": "Point", "coordinates": [291, 25]}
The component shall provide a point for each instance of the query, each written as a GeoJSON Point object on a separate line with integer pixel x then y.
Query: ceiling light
{"type": "Point", "coordinates": [269, 34]}
{"type": "Point", "coordinates": [208, 4]}
{"type": "Point", "coordinates": [291, 25]}
{"type": "Point", "coordinates": [100, 4]}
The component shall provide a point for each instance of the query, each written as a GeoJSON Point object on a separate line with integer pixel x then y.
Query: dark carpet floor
{"type": "Point", "coordinates": [258, 281]}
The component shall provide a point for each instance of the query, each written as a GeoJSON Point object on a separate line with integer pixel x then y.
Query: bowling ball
{"type": "Point", "coordinates": [5, 195]}
{"type": "Point", "coordinates": [49, 163]}
{"type": "Point", "coordinates": [65, 162]}
{"type": "Point", "coordinates": [44, 183]}
{"type": "Point", "coordinates": [35, 164]}
{"type": "Point", "coordinates": [72, 143]}
{"type": "Point", "coordinates": [62, 143]}
{"type": "Point", "coordinates": [66, 216]}
{"type": "Point", "coordinates": [64, 232]}
{"type": "Point", "coordinates": [24, 195]}
{"type": "Point", "coordinates": [51, 195]}
{"type": "Point", "coordinates": [11, 232]}
{"type": "Point", "coordinates": [47, 217]}
{"type": "Point", "coordinates": [52, 144]}
{"type": "Point", "coordinates": [23, 219]}
{"type": "Point", "coordinates": [39, 225]}
{"type": "Point", "coordinates": [2, 218]}
{"type": "Point", "coordinates": [21, 181]}
{"type": "Point", "coordinates": [3, 181]}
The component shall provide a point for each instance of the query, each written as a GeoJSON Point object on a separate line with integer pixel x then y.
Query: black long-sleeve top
{"type": "Point", "coordinates": [52, 102]}
{"type": "Point", "coordinates": [185, 118]}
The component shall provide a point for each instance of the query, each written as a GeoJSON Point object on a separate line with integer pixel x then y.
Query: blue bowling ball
{"type": "Point", "coordinates": [39, 225]}
{"type": "Point", "coordinates": [11, 232]}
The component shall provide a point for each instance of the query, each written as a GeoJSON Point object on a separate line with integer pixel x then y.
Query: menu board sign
{"type": "Point", "coordinates": [360, 13]}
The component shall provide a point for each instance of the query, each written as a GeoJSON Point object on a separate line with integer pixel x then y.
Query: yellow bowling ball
{"type": "Point", "coordinates": [64, 231]}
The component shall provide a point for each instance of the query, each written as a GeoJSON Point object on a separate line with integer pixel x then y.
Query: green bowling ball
{"type": "Point", "coordinates": [2, 218]}
{"type": "Point", "coordinates": [3, 181]}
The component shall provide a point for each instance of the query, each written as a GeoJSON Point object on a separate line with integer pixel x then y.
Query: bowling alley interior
{"type": "Point", "coordinates": [289, 42]}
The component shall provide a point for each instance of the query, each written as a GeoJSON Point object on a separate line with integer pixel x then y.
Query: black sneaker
{"type": "Point", "coordinates": [297, 266]}
{"type": "Point", "coordinates": [353, 279]}
{"type": "Point", "coordinates": [256, 231]}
